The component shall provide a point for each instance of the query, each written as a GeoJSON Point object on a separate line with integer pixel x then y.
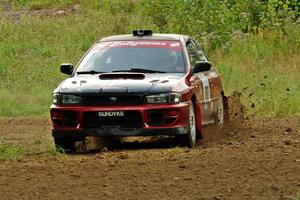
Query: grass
{"type": "Point", "coordinates": [298, 195]}
{"type": "Point", "coordinates": [8, 151]}
{"type": "Point", "coordinates": [265, 68]}
{"type": "Point", "coordinates": [38, 4]}
{"type": "Point", "coordinates": [46, 146]}
{"type": "Point", "coordinates": [20, 104]}
{"type": "Point", "coordinates": [32, 46]}
{"type": "Point", "coordinates": [177, 150]}
{"type": "Point", "coordinates": [40, 146]}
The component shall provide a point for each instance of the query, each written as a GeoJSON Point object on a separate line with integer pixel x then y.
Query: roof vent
{"type": "Point", "coordinates": [141, 33]}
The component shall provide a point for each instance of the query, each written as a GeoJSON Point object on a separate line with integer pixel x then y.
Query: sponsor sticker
{"type": "Point", "coordinates": [179, 69]}
{"type": "Point", "coordinates": [206, 88]}
{"type": "Point", "coordinates": [206, 91]}
{"type": "Point", "coordinates": [138, 44]}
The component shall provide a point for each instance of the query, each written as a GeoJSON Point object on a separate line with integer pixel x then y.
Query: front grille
{"type": "Point", "coordinates": [131, 119]}
{"type": "Point", "coordinates": [111, 99]}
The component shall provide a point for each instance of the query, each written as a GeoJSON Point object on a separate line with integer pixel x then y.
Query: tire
{"type": "Point", "coordinates": [190, 139]}
{"type": "Point", "coordinates": [220, 113]}
{"type": "Point", "coordinates": [66, 145]}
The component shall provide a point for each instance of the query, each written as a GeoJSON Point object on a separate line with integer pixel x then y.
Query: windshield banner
{"type": "Point", "coordinates": [175, 45]}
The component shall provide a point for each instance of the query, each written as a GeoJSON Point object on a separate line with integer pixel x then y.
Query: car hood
{"type": "Point", "coordinates": [151, 83]}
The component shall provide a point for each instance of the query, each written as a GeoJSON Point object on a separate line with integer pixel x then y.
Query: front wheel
{"type": "Point", "coordinates": [190, 139]}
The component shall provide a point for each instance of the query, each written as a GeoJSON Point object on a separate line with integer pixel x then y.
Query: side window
{"type": "Point", "coordinates": [201, 55]}
{"type": "Point", "coordinates": [195, 53]}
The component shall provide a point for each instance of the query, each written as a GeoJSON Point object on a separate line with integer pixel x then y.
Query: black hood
{"type": "Point", "coordinates": [108, 84]}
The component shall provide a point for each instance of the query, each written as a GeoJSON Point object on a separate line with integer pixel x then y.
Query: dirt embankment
{"type": "Point", "coordinates": [250, 159]}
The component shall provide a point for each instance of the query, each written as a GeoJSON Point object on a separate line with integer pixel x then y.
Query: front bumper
{"type": "Point", "coordinates": [172, 120]}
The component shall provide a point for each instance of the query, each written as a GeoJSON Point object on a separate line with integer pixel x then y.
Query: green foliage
{"type": "Point", "coordinates": [42, 4]}
{"type": "Point", "coordinates": [44, 145]}
{"type": "Point", "coordinates": [41, 145]}
{"type": "Point", "coordinates": [7, 151]}
{"type": "Point", "coordinates": [214, 21]}
{"type": "Point", "coordinates": [265, 68]}
{"type": "Point", "coordinates": [39, 4]}
{"type": "Point", "coordinates": [298, 195]}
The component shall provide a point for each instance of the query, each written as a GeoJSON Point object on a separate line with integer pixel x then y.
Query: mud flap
{"type": "Point", "coordinates": [226, 109]}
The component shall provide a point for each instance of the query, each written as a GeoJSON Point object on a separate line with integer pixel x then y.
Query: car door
{"type": "Point", "coordinates": [202, 83]}
{"type": "Point", "coordinates": [215, 87]}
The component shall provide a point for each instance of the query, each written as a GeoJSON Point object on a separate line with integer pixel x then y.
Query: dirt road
{"type": "Point", "coordinates": [255, 159]}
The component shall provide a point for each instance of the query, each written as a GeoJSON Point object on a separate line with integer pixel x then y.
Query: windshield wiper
{"type": "Point", "coordinates": [90, 72]}
{"type": "Point", "coordinates": [141, 70]}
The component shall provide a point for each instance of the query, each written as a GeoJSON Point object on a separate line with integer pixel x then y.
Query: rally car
{"type": "Point", "coordinates": [141, 84]}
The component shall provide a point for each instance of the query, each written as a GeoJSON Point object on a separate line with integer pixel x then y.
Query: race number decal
{"type": "Point", "coordinates": [206, 88]}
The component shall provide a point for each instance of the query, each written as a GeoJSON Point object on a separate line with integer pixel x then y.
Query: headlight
{"type": "Point", "coordinates": [55, 99]}
{"type": "Point", "coordinates": [164, 98]}
{"type": "Point", "coordinates": [66, 99]}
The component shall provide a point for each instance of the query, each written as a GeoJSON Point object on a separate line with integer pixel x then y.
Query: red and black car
{"type": "Point", "coordinates": [141, 84]}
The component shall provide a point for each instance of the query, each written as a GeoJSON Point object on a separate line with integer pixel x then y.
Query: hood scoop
{"type": "Point", "coordinates": [112, 76]}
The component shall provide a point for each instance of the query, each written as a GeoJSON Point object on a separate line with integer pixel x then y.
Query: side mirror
{"type": "Point", "coordinates": [66, 68]}
{"type": "Point", "coordinates": [201, 66]}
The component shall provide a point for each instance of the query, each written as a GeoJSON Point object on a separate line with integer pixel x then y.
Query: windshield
{"type": "Point", "coordinates": [135, 56]}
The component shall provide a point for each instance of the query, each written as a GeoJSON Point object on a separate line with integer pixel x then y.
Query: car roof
{"type": "Point", "coordinates": [175, 37]}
